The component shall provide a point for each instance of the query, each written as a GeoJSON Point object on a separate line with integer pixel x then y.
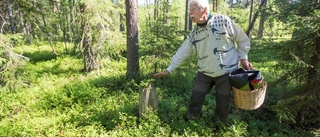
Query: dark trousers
{"type": "Point", "coordinates": [202, 85]}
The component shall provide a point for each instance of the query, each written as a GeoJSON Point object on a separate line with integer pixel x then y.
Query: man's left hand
{"type": "Point", "coordinates": [246, 64]}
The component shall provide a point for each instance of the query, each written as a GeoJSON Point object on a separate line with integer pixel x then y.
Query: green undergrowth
{"type": "Point", "coordinates": [57, 99]}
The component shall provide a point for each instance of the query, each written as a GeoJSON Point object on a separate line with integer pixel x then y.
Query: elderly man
{"type": "Point", "coordinates": [214, 40]}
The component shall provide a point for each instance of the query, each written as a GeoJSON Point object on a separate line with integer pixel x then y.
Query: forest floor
{"type": "Point", "coordinates": [52, 97]}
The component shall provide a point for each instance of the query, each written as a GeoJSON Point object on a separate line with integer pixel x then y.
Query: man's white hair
{"type": "Point", "coordinates": [202, 4]}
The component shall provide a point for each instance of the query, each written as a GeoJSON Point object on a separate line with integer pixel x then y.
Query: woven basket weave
{"type": "Point", "coordinates": [249, 100]}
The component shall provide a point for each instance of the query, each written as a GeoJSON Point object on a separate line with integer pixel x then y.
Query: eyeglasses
{"type": "Point", "coordinates": [193, 10]}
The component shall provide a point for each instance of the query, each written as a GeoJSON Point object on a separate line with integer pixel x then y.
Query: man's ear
{"type": "Point", "coordinates": [205, 10]}
{"type": "Point", "coordinates": [205, 13]}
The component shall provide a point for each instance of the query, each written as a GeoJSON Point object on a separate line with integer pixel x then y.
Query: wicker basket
{"type": "Point", "coordinates": [249, 100]}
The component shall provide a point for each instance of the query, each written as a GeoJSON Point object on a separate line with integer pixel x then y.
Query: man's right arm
{"type": "Point", "coordinates": [162, 74]}
{"type": "Point", "coordinates": [182, 54]}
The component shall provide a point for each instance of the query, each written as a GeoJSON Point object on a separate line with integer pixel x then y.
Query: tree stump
{"type": "Point", "coordinates": [148, 100]}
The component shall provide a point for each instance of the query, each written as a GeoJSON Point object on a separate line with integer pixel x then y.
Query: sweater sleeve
{"type": "Point", "coordinates": [241, 39]}
{"type": "Point", "coordinates": [185, 50]}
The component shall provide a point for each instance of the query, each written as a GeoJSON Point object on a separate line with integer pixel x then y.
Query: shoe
{"type": "Point", "coordinates": [189, 116]}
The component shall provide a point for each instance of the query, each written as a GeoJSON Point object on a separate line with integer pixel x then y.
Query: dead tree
{"type": "Point", "coordinates": [148, 100]}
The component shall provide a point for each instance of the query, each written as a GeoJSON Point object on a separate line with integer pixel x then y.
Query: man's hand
{"type": "Point", "coordinates": [162, 74]}
{"type": "Point", "coordinates": [246, 64]}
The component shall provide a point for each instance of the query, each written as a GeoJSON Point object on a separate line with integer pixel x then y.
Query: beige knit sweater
{"type": "Point", "coordinates": [219, 46]}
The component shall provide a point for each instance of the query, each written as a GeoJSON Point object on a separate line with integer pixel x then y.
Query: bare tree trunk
{"type": "Point", "coordinates": [263, 2]}
{"type": "Point", "coordinates": [156, 15]}
{"type": "Point", "coordinates": [262, 20]}
{"type": "Point", "coordinates": [63, 24]}
{"type": "Point", "coordinates": [49, 37]}
{"type": "Point", "coordinates": [122, 27]}
{"type": "Point", "coordinates": [167, 12]}
{"type": "Point", "coordinates": [88, 52]}
{"type": "Point", "coordinates": [215, 6]}
{"type": "Point", "coordinates": [68, 28]}
{"type": "Point", "coordinates": [251, 11]}
{"type": "Point", "coordinates": [133, 70]}
{"type": "Point", "coordinates": [10, 17]}
{"type": "Point", "coordinates": [190, 24]}
{"type": "Point", "coordinates": [54, 6]}
{"type": "Point", "coordinates": [2, 23]}
{"type": "Point", "coordinates": [71, 30]}
{"type": "Point", "coordinates": [186, 19]}
{"type": "Point", "coordinates": [156, 3]}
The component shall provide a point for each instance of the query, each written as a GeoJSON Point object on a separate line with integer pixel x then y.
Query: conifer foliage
{"type": "Point", "coordinates": [301, 59]}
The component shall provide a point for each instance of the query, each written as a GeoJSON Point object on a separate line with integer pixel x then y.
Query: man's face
{"type": "Point", "coordinates": [196, 15]}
